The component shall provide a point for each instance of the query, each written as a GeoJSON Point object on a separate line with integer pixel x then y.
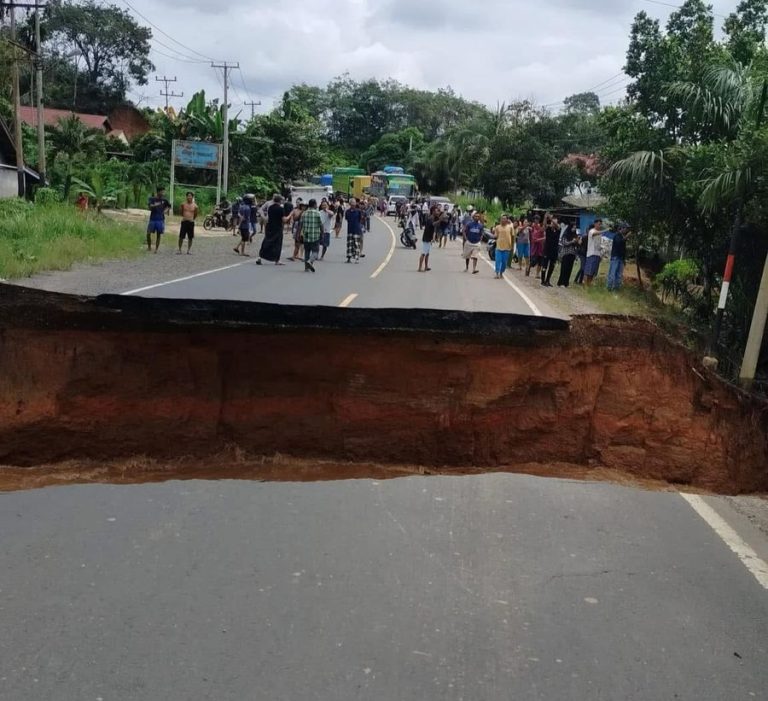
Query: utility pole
{"type": "Point", "coordinates": [17, 138]}
{"type": "Point", "coordinates": [40, 112]}
{"type": "Point", "coordinates": [226, 66]}
{"type": "Point", "coordinates": [165, 92]}
{"type": "Point", "coordinates": [252, 106]}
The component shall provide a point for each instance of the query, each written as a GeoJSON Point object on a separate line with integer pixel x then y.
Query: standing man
{"type": "Point", "coordinates": [618, 258]}
{"type": "Point", "coordinates": [328, 217]}
{"type": "Point", "coordinates": [158, 207]}
{"type": "Point", "coordinates": [505, 234]}
{"type": "Point", "coordinates": [551, 246]}
{"type": "Point", "coordinates": [426, 241]}
{"type": "Point", "coordinates": [244, 217]}
{"type": "Point", "coordinates": [354, 231]}
{"type": "Point", "coordinates": [594, 243]}
{"type": "Point", "coordinates": [311, 230]}
{"type": "Point", "coordinates": [189, 210]}
{"type": "Point", "coordinates": [472, 236]}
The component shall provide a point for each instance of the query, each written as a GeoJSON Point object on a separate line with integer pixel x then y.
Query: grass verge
{"type": "Point", "coordinates": [34, 238]}
{"type": "Point", "coordinates": [632, 300]}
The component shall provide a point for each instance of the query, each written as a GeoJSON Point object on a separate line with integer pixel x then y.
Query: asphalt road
{"type": "Point", "coordinates": [386, 277]}
{"type": "Point", "coordinates": [436, 588]}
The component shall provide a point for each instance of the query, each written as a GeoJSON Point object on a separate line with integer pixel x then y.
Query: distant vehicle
{"type": "Point", "coordinates": [441, 202]}
{"type": "Point", "coordinates": [385, 184]}
{"type": "Point", "coordinates": [312, 192]}
{"type": "Point", "coordinates": [343, 178]}
{"type": "Point", "coordinates": [360, 183]}
{"type": "Point", "coordinates": [392, 204]}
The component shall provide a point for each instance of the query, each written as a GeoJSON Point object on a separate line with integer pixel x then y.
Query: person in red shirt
{"type": "Point", "coordinates": [82, 202]}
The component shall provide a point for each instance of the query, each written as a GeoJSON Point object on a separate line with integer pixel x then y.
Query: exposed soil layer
{"type": "Point", "coordinates": [108, 378]}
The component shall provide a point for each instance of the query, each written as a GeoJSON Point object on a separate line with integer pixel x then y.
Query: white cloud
{"type": "Point", "coordinates": [490, 50]}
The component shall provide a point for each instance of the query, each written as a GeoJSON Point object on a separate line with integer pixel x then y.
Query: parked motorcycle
{"type": "Point", "coordinates": [408, 235]}
{"type": "Point", "coordinates": [220, 219]}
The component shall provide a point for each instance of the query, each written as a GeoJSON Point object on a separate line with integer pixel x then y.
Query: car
{"type": "Point", "coordinates": [441, 202]}
{"type": "Point", "coordinates": [393, 202]}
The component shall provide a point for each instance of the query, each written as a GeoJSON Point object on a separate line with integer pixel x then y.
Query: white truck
{"type": "Point", "coordinates": [311, 192]}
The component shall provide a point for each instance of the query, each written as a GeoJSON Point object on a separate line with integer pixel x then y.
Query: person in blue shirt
{"type": "Point", "coordinates": [158, 207]}
{"type": "Point", "coordinates": [354, 219]}
{"type": "Point", "coordinates": [473, 237]}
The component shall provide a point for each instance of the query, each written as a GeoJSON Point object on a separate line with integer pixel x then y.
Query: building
{"type": "Point", "coordinates": [9, 181]}
{"type": "Point", "coordinates": [123, 123]}
{"type": "Point", "coordinates": [130, 121]}
{"type": "Point", "coordinates": [51, 118]}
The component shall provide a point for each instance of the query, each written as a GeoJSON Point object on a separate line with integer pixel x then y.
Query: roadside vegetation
{"type": "Point", "coordinates": [54, 236]}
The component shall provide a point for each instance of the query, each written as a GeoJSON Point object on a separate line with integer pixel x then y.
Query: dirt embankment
{"type": "Point", "coordinates": [116, 377]}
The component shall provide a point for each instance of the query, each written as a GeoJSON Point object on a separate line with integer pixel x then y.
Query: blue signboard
{"type": "Point", "coordinates": [197, 154]}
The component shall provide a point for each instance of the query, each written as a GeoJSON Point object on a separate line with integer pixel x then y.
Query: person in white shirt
{"type": "Point", "coordinates": [594, 245]}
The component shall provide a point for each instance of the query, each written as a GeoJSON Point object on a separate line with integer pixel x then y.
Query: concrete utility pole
{"type": "Point", "coordinates": [17, 137]}
{"type": "Point", "coordinates": [226, 66]}
{"type": "Point", "coordinates": [40, 112]}
{"type": "Point", "coordinates": [165, 92]}
{"type": "Point", "coordinates": [252, 106]}
{"type": "Point", "coordinates": [756, 331]}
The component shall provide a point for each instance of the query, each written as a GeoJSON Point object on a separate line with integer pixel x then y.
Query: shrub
{"type": "Point", "coordinates": [676, 278]}
{"type": "Point", "coordinates": [47, 195]}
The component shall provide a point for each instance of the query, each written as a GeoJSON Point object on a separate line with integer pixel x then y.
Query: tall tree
{"type": "Point", "coordinates": [745, 29]}
{"type": "Point", "coordinates": [583, 103]}
{"type": "Point", "coordinates": [109, 48]}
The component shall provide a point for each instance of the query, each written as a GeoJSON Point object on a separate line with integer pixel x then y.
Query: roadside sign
{"type": "Point", "coordinates": [197, 154]}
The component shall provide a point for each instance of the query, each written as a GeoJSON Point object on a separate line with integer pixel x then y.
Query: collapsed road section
{"type": "Point", "coordinates": [112, 377]}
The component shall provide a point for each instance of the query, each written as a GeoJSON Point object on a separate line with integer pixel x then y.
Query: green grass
{"type": "Point", "coordinates": [34, 238]}
{"type": "Point", "coordinates": [630, 300]}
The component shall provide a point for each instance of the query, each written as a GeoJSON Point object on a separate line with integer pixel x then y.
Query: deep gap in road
{"type": "Point", "coordinates": [130, 389]}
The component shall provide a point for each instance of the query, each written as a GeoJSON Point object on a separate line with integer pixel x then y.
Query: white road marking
{"type": "Point", "coordinates": [181, 279]}
{"type": "Point", "coordinates": [391, 250]}
{"type": "Point", "coordinates": [733, 540]}
{"type": "Point", "coordinates": [536, 311]}
{"type": "Point", "coordinates": [348, 300]}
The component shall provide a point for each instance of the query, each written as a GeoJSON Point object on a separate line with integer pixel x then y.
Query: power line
{"type": "Point", "coordinates": [677, 7]}
{"type": "Point", "coordinates": [176, 58]}
{"type": "Point", "coordinates": [165, 34]}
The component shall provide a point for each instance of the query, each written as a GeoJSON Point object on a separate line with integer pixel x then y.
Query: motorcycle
{"type": "Point", "coordinates": [408, 236]}
{"type": "Point", "coordinates": [220, 218]}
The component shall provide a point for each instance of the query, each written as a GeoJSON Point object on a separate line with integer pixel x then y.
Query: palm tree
{"type": "Point", "coordinates": [726, 110]}
{"type": "Point", "coordinates": [70, 139]}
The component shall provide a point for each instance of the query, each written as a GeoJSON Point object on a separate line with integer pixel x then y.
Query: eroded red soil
{"type": "Point", "coordinates": [103, 383]}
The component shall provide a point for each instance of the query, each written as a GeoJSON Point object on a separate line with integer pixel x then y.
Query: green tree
{"type": "Point", "coordinates": [584, 103]}
{"type": "Point", "coordinates": [112, 50]}
{"type": "Point", "coordinates": [745, 29]}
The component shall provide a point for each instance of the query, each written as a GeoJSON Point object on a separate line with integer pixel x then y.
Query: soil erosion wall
{"type": "Point", "coordinates": [113, 376]}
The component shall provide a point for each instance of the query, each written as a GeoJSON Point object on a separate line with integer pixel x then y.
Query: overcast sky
{"type": "Point", "coordinates": [487, 50]}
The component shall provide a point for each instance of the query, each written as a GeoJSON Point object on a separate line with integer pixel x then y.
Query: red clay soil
{"type": "Point", "coordinates": [84, 382]}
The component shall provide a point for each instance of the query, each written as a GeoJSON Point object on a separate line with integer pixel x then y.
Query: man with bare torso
{"type": "Point", "coordinates": [189, 211]}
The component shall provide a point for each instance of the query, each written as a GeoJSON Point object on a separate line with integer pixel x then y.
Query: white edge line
{"type": "Point", "coordinates": [536, 311]}
{"type": "Point", "coordinates": [391, 250]}
{"type": "Point", "coordinates": [348, 300]}
{"type": "Point", "coordinates": [181, 279]}
{"type": "Point", "coordinates": [750, 559]}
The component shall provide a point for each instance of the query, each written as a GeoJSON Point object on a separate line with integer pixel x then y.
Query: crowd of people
{"type": "Point", "coordinates": [533, 245]}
